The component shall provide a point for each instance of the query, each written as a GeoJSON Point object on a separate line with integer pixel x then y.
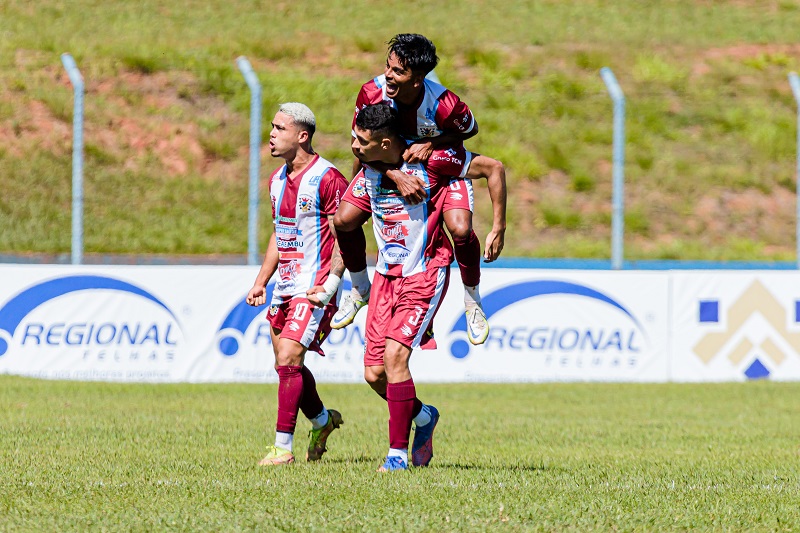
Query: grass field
{"type": "Point", "coordinates": [546, 457]}
{"type": "Point", "coordinates": [710, 117]}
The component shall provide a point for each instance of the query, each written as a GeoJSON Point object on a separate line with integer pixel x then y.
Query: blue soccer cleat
{"type": "Point", "coordinates": [393, 464]}
{"type": "Point", "coordinates": [422, 448]}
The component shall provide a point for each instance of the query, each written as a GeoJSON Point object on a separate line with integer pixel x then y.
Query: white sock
{"type": "Point", "coordinates": [472, 295]}
{"type": "Point", "coordinates": [394, 452]}
{"type": "Point", "coordinates": [320, 420]}
{"type": "Point", "coordinates": [360, 281]}
{"type": "Point", "coordinates": [424, 416]}
{"type": "Point", "coordinates": [284, 440]}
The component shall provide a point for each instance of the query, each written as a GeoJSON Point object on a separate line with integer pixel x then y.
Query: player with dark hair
{"type": "Point", "coordinates": [430, 117]}
{"type": "Point", "coordinates": [305, 194]}
{"type": "Point", "coordinates": [412, 272]}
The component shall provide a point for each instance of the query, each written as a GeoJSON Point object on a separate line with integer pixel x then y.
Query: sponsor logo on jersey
{"type": "Point", "coordinates": [289, 270]}
{"type": "Point", "coordinates": [450, 152]}
{"type": "Point", "coordinates": [394, 232]}
{"type": "Point", "coordinates": [285, 229]}
{"type": "Point", "coordinates": [290, 244]}
{"type": "Point", "coordinates": [293, 326]}
{"type": "Point", "coordinates": [457, 196]}
{"type": "Point", "coordinates": [405, 330]}
{"type": "Point", "coordinates": [395, 253]}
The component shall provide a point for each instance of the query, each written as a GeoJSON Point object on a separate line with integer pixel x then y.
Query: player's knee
{"type": "Point", "coordinates": [459, 224]}
{"type": "Point", "coordinates": [373, 376]}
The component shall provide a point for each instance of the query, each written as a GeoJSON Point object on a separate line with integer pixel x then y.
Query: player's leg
{"type": "Point", "coordinates": [348, 221]}
{"type": "Point", "coordinates": [305, 327]}
{"type": "Point", "coordinates": [289, 356]}
{"type": "Point", "coordinates": [400, 395]}
{"type": "Point", "coordinates": [323, 421]}
{"type": "Point", "coordinates": [458, 220]}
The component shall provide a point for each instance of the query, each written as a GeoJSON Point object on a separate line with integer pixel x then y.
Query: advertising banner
{"type": "Point", "coordinates": [190, 323]}
{"type": "Point", "coordinates": [735, 326]}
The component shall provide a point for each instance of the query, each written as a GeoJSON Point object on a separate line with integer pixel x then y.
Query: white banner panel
{"type": "Point", "coordinates": [734, 326]}
{"type": "Point", "coordinates": [554, 325]}
{"type": "Point", "coordinates": [190, 323]}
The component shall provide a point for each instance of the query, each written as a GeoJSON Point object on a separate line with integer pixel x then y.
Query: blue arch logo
{"type": "Point", "coordinates": [230, 333]}
{"type": "Point", "coordinates": [498, 300]}
{"type": "Point", "coordinates": [17, 308]}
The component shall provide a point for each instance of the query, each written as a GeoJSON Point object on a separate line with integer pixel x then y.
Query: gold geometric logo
{"type": "Point", "coordinates": [756, 299]}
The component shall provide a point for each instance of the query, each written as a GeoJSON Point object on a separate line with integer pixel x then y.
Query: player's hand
{"type": "Point", "coordinates": [411, 188]}
{"type": "Point", "coordinates": [257, 296]}
{"type": "Point", "coordinates": [419, 152]}
{"type": "Point", "coordinates": [320, 295]}
{"type": "Point", "coordinates": [494, 245]}
{"type": "Point", "coordinates": [313, 293]}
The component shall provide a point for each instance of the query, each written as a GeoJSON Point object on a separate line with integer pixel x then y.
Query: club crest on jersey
{"type": "Point", "coordinates": [305, 202]}
{"type": "Point", "coordinates": [273, 310]}
{"type": "Point", "coordinates": [358, 188]}
{"type": "Point", "coordinates": [426, 131]}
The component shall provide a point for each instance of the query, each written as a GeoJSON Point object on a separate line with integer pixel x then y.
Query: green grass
{"type": "Point", "coordinates": [709, 111]}
{"type": "Point", "coordinates": [545, 457]}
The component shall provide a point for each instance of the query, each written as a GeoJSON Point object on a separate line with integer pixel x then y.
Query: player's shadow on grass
{"type": "Point", "coordinates": [521, 467]}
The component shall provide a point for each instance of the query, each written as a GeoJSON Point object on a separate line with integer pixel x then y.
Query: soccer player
{"type": "Point", "coordinates": [305, 193]}
{"type": "Point", "coordinates": [411, 275]}
{"type": "Point", "coordinates": [431, 117]}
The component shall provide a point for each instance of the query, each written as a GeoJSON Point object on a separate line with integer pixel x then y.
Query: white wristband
{"type": "Point", "coordinates": [331, 285]}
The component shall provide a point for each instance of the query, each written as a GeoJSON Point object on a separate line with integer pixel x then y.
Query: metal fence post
{"type": "Point", "coordinates": [255, 157]}
{"type": "Point", "coordinates": [794, 81]}
{"type": "Point", "coordinates": [77, 158]}
{"type": "Point", "coordinates": [618, 198]}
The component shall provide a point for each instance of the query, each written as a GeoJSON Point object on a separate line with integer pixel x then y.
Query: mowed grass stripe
{"type": "Point", "coordinates": [521, 457]}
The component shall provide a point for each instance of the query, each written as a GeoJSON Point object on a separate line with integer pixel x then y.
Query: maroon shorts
{"type": "Point", "coordinates": [300, 320]}
{"type": "Point", "coordinates": [402, 309]}
{"type": "Point", "coordinates": [459, 195]}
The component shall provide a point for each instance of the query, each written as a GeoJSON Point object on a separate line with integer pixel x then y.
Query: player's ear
{"type": "Point", "coordinates": [386, 143]}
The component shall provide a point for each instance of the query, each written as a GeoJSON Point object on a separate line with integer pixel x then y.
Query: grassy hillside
{"type": "Point", "coordinates": [711, 118]}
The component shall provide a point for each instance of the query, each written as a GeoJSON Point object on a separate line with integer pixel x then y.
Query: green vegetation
{"type": "Point", "coordinates": [548, 457]}
{"type": "Point", "coordinates": [710, 118]}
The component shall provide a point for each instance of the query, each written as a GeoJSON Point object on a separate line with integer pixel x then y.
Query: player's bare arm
{"type": "Point", "coordinates": [258, 294]}
{"type": "Point", "coordinates": [320, 295]}
{"type": "Point", "coordinates": [494, 171]}
{"type": "Point", "coordinates": [420, 151]}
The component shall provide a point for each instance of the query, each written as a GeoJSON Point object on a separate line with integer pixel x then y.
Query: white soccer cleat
{"type": "Point", "coordinates": [477, 325]}
{"type": "Point", "coordinates": [348, 309]}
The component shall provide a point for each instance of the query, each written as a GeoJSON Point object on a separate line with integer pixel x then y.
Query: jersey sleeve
{"type": "Point", "coordinates": [453, 115]}
{"type": "Point", "coordinates": [332, 188]}
{"type": "Point", "coordinates": [357, 193]}
{"type": "Point", "coordinates": [449, 163]}
{"type": "Point", "coordinates": [362, 100]}
{"type": "Point", "coordinates": [272, 199]}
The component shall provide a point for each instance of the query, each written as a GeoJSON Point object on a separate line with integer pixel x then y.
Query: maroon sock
{"type": "Point", "coordinates": [310, 403]}
{"type": "Point", "coordinates": [468, 255]}
{"type": "Point", "coordinates": [290, 392]}
{"type": "Point", "coordinates": [417, 406]}
{"type": "Point", "coordinates": [353, 247]}
{"type": "Point", "coordinates": [401, 398]}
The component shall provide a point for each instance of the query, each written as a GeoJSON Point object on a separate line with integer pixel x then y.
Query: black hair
{"type": "Point", "coordinates": [380, 118]}
{"type": "Point", "coordinates": [414, 51]}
